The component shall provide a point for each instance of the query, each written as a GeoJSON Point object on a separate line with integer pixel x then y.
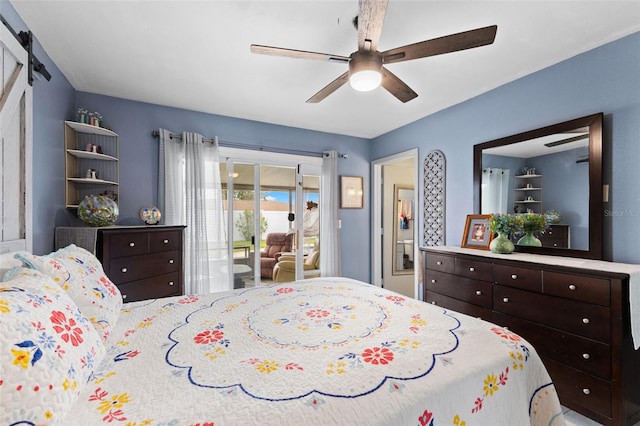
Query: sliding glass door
{"type": "Point", "coordinates": [269, 242]}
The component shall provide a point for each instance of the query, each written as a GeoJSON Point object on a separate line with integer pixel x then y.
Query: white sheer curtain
{"type": "Point", "coordinates": [495, 191]}
{"type": "Point", "coordinates": [329, 232]}
{"type": "Point", "coordinates": [190, 193]}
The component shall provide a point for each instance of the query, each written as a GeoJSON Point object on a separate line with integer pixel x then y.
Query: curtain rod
{"type": "Point", "coordinates": [226, 144]}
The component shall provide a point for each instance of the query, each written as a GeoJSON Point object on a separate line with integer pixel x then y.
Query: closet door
{"type": "Point", "coordinates": [15, 145]}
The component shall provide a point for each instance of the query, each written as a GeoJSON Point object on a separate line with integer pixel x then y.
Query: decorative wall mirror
{"type": "Point", "coordinates": [555, 170]}
{"type": "Point", "coordinates": [403, 211]}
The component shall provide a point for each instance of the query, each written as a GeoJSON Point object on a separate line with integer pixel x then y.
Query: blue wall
{"type": "Point", "coordinates": [562, 191]}
{"type": "Point", "coordinates": [134, 122]}
{"type": "Point", "coordinates": [606, 79]}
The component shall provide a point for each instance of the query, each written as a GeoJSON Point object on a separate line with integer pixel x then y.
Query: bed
{"type": "Point", "coordinates": [318, 351]}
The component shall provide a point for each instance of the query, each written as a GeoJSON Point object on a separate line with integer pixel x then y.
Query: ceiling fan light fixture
{"type": "Point", "coordinates": [365, 71]}
{"type": "Point", "coordinates": [365, 80]}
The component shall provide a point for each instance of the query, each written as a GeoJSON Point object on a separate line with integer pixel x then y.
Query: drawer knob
{"type": "Point", "coordinates": [478, 293]}
{"type": "Point", "coordinates": [433, 281]}
{"type": "Point", "coordinates": [572, 286]}
{"type": "Point", "coordinates": [514, 276]}
{"type": "Point", "coordinates": [586, 356]}
{"type": "Point", "coordinates": [165, 241]}
{"type": "Point", "coordinates": [124, 296]}
{"type": "Point", "coordinates": [438, 263]}
{"type": "Point", "coordinates": [586, 320]}
{"type": "Point", "coordinates": [170, 282]}
{"type": "Point", "coordinates": [505, 299]}
{"type": "Point", "coordinates": [586, 391]}
{"type": "Point", "coordinates": [555, 244]}
{"type": "Point", "coordinates": [124, 270]}
{"type": "Point", "coordinates": [132, 244]}
{"type": "Point", "coordinates": [434, 303]}
{"type": "Point", "coordinates": [472, 269]}
{"type": "Point", "coordinates": [170, 260]}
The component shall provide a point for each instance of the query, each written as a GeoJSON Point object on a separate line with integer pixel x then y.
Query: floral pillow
{"type": "Point", "coordinates": [48, 350]}
{"type": "Point", "coordinates": [80, 273]}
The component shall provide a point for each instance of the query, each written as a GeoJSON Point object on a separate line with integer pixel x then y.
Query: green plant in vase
{"type": "Point", "coordinates": [531, 224]}
{"type": "Point", "coordinates": [503, 225]}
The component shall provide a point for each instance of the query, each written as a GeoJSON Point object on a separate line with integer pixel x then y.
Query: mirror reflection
{"type": "Point", "coordinates": [547, 175]}
{"type": "Point", "coordinates": [403, 231]}
{"type": "Point", "coordinates": [554, 170]}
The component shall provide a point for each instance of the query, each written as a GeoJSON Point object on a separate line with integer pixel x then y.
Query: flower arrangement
{"type": "Point", "coordinates": [532, 223]}
{"type": "Point", "coordinates": [502, 223]}
{"type": "Point", "coordinates": [509, 224]}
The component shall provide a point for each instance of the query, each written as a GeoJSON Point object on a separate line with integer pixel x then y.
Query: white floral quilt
{"type": "Point", "coordinates": [316, 352]}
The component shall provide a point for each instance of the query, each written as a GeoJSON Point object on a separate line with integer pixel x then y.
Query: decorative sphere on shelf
{"type": "Point", "coordinates": [553, 217]}
{"type": "Point", "coordinates": [98, 210]}
{"type": "Point", "coordinates": [150, 215]}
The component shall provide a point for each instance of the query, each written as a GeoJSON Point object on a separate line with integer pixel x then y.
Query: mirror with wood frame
{"type": "Point", "coordinates": [556, 171]}
{"type": "Point", "coordinates": [403, 213]}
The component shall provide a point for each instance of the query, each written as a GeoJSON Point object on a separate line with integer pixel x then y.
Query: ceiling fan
{"type": "Point", "coordinates": [366, 65]}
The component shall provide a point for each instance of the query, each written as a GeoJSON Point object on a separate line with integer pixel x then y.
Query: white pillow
{"type": "Point", "coordinates": [80, 273]}
{"type": "Point", "coordinates": [48, 350]}
{"type": "Point", "coordinates": [8, 261]}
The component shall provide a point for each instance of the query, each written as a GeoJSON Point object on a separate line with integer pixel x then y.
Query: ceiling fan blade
{"type": "Point", "coordinates": [292, 53]}
{"type": "Point", "coordinates": [438, 46]}
{"type": "Point", "coordinates": [329, 88]}
{"type": "Point", "coordinates": [370, 19]}
{"type": "Point", "coordinates": [397, 87]}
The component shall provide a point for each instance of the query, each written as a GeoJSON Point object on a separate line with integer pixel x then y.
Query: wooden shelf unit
{"type": "Point", "coordinates": [77, 136]}
{"type": "Point", "coordinates": [526, 186]}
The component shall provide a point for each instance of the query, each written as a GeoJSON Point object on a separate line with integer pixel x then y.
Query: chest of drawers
{"type": "Point", "coordinates": [577, 319]}
{"type": "Point", "coordinates": [145, 262]}
{"type": "Point", "coordinates": [556, 236]}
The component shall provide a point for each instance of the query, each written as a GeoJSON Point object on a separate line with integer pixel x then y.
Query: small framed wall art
{"type": "Point", "coordinates": [477, 234]}
{"type": "Point", "coordinates": [351, 192]}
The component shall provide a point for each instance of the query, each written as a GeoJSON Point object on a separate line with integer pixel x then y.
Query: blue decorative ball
{"type": "Point", "coordinates": [98, 210]}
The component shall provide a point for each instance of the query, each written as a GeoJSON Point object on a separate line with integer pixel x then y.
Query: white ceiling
{"type": "Point", "coordinates": [195, 54]}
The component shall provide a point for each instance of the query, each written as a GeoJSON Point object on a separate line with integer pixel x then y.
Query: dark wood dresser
{"type": "Point", "coordinates": [145, 262]}
{"type": "Point", "coordinates": [556, 236]}
{"type": "Point", "coordinates": [576, 315]}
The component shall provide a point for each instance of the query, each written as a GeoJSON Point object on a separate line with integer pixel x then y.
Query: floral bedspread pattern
{"type": "Point", "coordinates": [321, 351]}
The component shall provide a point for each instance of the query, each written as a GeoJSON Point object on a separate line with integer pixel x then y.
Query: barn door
{"type": "Point", "coordinates": [15, 145]}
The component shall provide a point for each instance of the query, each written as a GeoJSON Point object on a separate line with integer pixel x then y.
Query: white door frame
{"type": "Point", "coordinates": [376, 222]}
{"type": "Point", "coordinates": [303, 166]}
{"type": "Point", "coordinates": [16, 99]}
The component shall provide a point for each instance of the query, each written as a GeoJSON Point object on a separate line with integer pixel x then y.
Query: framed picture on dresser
{"type": "Point", "coordinates": [477, 234]}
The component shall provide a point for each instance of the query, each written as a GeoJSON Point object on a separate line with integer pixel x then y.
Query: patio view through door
{"type": "Point", "coordinates": [268, 242]}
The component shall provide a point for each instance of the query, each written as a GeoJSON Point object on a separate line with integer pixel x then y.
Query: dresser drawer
{"type": "Point", "coordinates": [441, 263]}
{"type": "Point", "coordinates": [165, 241]}
{"type": "Point", "coordinates": [587, 355]}
{"type": "Point", "coordinates": [123, 244]}
{"type": "Point", "coordinates": [151, 288]}
{"type": "Point", "coordinates": [581, 388]}
{"type": "Point", "coordinates": [134, 268]}
{"type": "Point", "coordinates": [552, 242]}
{"type": "Point", "coordinates": [466, 289]}
{"type": "Point", "coordinates": [452, 304]}
{"type": "Point", "coordinates": [578, 287]}
{"type": "Point", "coordinates": [473, 269]}
{"type": "Point", "coordinates": [525, 278]}
{"type": "Point", "coordinates": [579, 318]}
